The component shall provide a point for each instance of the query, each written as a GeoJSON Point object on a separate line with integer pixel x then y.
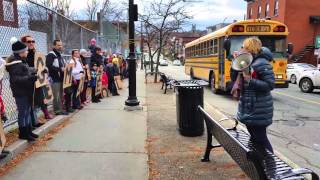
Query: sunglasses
{"type": "Point", "coordinates": [31, 42]}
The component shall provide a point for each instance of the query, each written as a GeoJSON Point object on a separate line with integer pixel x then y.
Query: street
{"type": "Point", "coordinates": [296, 122]}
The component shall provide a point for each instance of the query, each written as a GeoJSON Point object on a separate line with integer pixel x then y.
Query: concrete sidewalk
{"type": "Point", "coordinates": [101, 142]}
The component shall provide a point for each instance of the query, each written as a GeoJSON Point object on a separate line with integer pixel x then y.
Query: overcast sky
{"type": "Point", "coordinates": [205, 12]}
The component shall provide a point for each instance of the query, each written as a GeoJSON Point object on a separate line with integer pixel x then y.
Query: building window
{"type": "Point", "coordinates": [259, 12]}
{"type": "Point", "coordinates": [267, 10]}
{"type": "Point", "coordinates": [276, 8]}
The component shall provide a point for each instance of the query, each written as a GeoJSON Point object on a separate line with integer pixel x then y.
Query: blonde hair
{"type": "Point", "coordinates": [252, 45]}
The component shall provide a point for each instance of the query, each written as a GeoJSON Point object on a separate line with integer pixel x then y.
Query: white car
{"type": "Point", "coordinates": [176, 62]}
{"type": "Point", "coordinates": [163, 62]}
{"type": "Point", "coordinates": [294, 70]}
{"type": "Point", "coordinates": [309, 80]}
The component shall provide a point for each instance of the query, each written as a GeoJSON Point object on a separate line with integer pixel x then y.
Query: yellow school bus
{"type": "Point", "coordinates": [209, 57]}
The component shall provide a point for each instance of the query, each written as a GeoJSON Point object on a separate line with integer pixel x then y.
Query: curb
{"type": "Point", "coordinates": [20, 145]}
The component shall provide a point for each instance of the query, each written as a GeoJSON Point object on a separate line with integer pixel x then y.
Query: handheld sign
{"type": "Point", "coordinates": [40, 65]}
{"type": "Point", "coordinates": [99, 83]}
{"type": "Point", "coordinates": [81, 85]}
{"type": "Point", "coordinates": [67, 79]}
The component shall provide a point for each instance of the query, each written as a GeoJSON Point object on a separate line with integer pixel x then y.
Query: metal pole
{"type": "Point", "coordinates": [141, 47]}
{"type": "Point", "coordinates": [132, 99]}
{"type": "Point", "coordinates": [54, 25]}
{"type": "Point", "coordinates": [81, 38]}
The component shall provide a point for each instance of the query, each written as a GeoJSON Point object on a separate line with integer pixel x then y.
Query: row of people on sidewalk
{"type": "Point", "coordinates": [29, 98]}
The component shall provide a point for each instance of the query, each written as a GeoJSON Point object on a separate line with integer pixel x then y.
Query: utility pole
{"type": "Point", "coordinates": [141, 46]}
{"type": "Point", "coordinates": [132, 102]}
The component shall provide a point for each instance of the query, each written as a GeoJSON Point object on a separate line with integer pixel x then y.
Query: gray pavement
{"type": "Point", "coordinates": [295, 131]}
{"type": "Point", "coordinates": [102, 142]}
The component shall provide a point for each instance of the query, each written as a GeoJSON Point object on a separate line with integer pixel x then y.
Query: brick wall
{"type": "Point", "coordinates": [295, 14]}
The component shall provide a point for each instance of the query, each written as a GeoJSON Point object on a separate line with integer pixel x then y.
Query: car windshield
{"type": "Point", "coordinates": [277, 44]}
{"type": "Point", "coordinates": [306, 66]}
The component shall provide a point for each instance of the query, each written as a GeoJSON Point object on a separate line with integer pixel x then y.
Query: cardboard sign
{"type": "Point", "coordinates": [99, 83]}
{"type": "Point", "coordinates": [67, 79]}
{"type": "Point", "coordinates": [81, 85]}
{"type": "Point", "coordinates": [48, 96]}
{"type": "Point", "coordinates": [40, 65]}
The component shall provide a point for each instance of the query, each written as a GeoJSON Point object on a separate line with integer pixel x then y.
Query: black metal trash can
{"type": "Point", "coordinates": [189, 97]}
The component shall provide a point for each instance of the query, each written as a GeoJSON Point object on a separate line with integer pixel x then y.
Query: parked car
{"type": "Point", "coordinates": [176, 62]}
{"type": "Point", "coordinates": [294, 70]}
{"type": "Point", "coordinates": [163, 62]}
{"type": "Point", "coordinates": [309, 80]}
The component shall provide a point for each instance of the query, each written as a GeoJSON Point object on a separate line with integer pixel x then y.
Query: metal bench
{"type": "Point", "coordinates": [256, 162]}
{"type": "Point", "coordinates": [166, 81]}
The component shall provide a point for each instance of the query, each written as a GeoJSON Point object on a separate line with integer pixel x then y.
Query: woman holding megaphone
{"type": "Point", "coordinates": [254, 81]}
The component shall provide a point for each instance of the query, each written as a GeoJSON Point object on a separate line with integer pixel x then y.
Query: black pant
{"type": "Point", "coordinates": [67, 97]}
{"type": "Point", "coordinates": [93, 94]}
{"type": "Point", "coordinates": [75, 99]}
{"type": "Point", "coordinates": [259, 135]}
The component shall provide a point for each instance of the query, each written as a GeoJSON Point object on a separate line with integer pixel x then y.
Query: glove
{"type": "Point", "coordinates": [45, 71]}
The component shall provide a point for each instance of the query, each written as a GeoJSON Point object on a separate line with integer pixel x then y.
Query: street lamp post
{"type": "Point", "coordinates": [132, 100]}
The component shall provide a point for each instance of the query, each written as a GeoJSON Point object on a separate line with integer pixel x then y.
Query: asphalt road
{"type": "Point", "coordinates": [295, 131]}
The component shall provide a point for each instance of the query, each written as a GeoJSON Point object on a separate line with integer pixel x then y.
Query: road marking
{"type": "Point", "coordinates": [301, 99]}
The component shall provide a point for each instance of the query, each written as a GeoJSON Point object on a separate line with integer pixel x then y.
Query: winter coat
{"type": "Point", "coordinates": [96, 59]}
{"type": "Point", "coordinates": [256, 103]}
{"type": "Point", "coordinates": [93, 80]}
{"type": "Point", "coordinates": [22, 77]}
{"type": "Point", "coordinates": [55, 63]}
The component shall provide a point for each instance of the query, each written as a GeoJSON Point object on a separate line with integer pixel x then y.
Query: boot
{"type": "Point", "coordinates": [46, 114]}
{"type": "Point", "coordinates": [23, 134]}
{"type": "Point", "coordinates": [31, 133]}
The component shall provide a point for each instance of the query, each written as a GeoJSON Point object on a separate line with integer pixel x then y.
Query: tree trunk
{"type": "Point", "coordinates": [158, 58]}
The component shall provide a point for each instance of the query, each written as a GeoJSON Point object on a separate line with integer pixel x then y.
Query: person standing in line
{"type": "Point", "coordinates": [111, 73]}
{"type": "Point", "coordinates": [77, 73]}
{"type": "Point", "coordinates": [39, 93]}
{"type": "Point", "coordinates": [56, 67]}
{"type": "Point", "coordinates": [93, 83]}
{"type": "Point", "coordinates": [22, 79]}
{"type": "Point", "coordinates": [255, 108]}
{"type": "Point", "coordinates": [86, 69]}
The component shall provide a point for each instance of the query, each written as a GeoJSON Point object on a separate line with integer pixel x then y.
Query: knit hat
{"type": "Point", "coordinates": [17, 46]}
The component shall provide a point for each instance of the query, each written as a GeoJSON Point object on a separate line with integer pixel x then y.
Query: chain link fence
{"type": "Point", "coordinates": [45, 23]}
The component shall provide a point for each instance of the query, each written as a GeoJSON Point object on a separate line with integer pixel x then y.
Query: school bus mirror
{"type": "Point", "coordinates": [290, 48]}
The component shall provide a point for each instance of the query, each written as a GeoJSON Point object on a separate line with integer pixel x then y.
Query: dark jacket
{"type": "Point", "coordinates": [93, 80]}
{"type": "Point", "coordinates": [96, 59]}
{"type": "Point", "coordinates": [55, 72]}
{"type": "Point", "coordinates": [22, 77]}
{"type": "Point", "coordinates": [256, 103]}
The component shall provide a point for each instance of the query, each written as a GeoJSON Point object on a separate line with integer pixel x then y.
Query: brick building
{"type": "Point", "coordinates": [301, 17]}
{"type": "Point", "coordinates": [9, 13]}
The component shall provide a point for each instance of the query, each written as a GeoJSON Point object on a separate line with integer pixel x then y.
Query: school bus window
{"type": "Point", "coordinates": [210, 47]}
{"type": "Point", "coordinates": [205, 48]}
{"type": "Point", "coordinates": [215, 46]}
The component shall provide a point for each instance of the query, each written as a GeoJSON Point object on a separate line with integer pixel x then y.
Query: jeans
{"type": "Point", "coordinates": [33, 116]}
{"type": "Point", "coordinates": [68, 97]}
{"type": "Point", "coordinates": [259, 135]}
{"type": "Point", "coordinates": [93, 94]}
{"type": "Point", "coordinates": [75, 99]}
{"type": "Point", "coordinates": [24, 108]}
{"type": "Point", "coordinates": [57, 92]}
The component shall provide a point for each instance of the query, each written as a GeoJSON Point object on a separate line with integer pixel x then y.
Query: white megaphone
{"type": "Point", "coordinates": [242, 62]}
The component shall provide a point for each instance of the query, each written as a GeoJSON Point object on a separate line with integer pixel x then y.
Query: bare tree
{"type": "Point", "coordinates": [164, 18]}
{"type": "Point", "coordinates": [92, 9]}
